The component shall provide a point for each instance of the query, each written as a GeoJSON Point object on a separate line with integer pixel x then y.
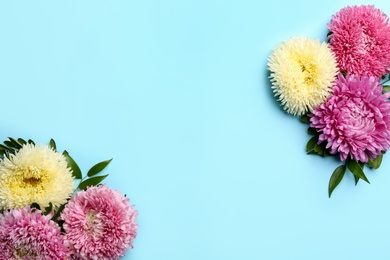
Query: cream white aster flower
{"type": "Point", "coordinates": [35, 174]}
{"type": "Point", "coordinates": [303, 71]}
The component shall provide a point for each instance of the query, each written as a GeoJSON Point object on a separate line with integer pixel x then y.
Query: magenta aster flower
{"type": "Point", "coordinates": [360, 40]}
{"type": "Point", "coordinates": [99, 224]}
{"type": "Point", "coordinates": [27, 234]}
{"type": "Point", "coordinates": [355, 120]}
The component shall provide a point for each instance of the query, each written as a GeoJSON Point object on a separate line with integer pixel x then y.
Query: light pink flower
{"type": "Point", "coordinates": [99, 224]}
{"type": "Point", "coordinates": [360, 40]}
{"type": "Point", "coordinates": [27, 234]}
{"type": "Point", "coordinates": [355, 120]}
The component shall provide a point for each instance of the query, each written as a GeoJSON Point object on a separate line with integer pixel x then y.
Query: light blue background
{"type": "Point", "coordinates": [177, 93]}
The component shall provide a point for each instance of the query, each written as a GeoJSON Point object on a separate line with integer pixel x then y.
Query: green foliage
{"type": "Point", "coordinates": [53, 145]}
{"type": "Point", "coordinates": [10, 146]}
{"type": "Point", "coordinates": [312, 131]}
{"type": "Point", "coordinates": [311, 143]}
{"type": "Point", "coordinates": [305, 119]}
{"type": "Point", "coordinates": [386, 88]}
{"type": "Point", "coordinates": [97, 168]}
{"type": "Point", "coordinates": [356, 170]}
{"type": "Point", "coordinates": [73, 165]}
{"type": "Point", "coordinates": [312, 147]}
{"type": "Point", "coordinates": [336, 178]}
{"type": "Point", "coordinates": [93, 181]}
{"type": "Point", "coordinates": [375, 163]}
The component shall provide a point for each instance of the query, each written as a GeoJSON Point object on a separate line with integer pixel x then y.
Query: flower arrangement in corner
{"type": "Point", "coordinates": [48, 210]}
{"type": "Point", "coordinates": [338, 88]}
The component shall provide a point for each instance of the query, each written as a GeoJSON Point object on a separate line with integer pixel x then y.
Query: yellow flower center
{"type": "Point", "coordinates": [28, 180]}
{"type": "Point", "coordinates": [309, 71]}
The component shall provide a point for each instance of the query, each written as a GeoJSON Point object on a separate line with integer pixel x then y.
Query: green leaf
{"type": "Point", "coordinates": [319, 149]}
{"type": "Point", "coordinates": [305, 119]}
{"type": "Point", "coordinates": [386, 88]}
{"type": "Point", "coordinates": [355, 168]}
{"type": "Point", "coordinates": [375, 163]}
{"type": "Point", "coordinates": [9, 144]}
{"type": "Point", "coordinates": [311, 143]}
{"type": "Point", "coordinates": [5, 148]}
{"type": "Point", "coordinates": [326, 152]}
{"type": "Point", "coordinates": [35, 206]}
{"type": "Point", "coordinates": [98, 168]}
{"type": "Point", "coordinates": [22, 141]}
{"type": "Point", "coordinates": [58, 212]}
{"type": "Point", "coordinates": [73, 165]}
{"type": "Point", "coordinates": [48, 209]}
{"type": "Point", "coordinates": [15, 143]}
{"type": "Point", "coordinates": [312, 131]}
{"type": "Point", "coordinates": [336, 178]}
{"type": "Point", "coordinates": [53, 144]}
{"type": "Point", "coordinates": [356, 179]}
{"type": "Point", "coordinates": [31, 141]}
{"type": "Point", "coordinates": [91, 182]}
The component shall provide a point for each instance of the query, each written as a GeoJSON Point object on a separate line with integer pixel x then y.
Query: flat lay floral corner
{"type": "Point", "coordinates": [50, 210]}
{"type": "Point", "coordinates": [338, 87]}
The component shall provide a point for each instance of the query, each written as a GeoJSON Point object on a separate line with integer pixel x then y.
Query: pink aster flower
{"type": "Point", "coordinates": [99, 224]}
{"type": "Point", "coordinates": [360, 40]}
{"type": "Point", "coordinates": [355, 120]}
{"type": "Point", "coordinates": [26, 234]}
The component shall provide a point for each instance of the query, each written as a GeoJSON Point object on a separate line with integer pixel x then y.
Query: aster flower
{"type": "Point", "coordinates": [29, 235]}
{"type": "Point", "coordinates": [302, 73]}
{"type": "Point", "coordinates": [35, 174]}
{"type": "Point", "coordinates": [360, 40]}
{"type": "Point", "coordinates": [99, 224]}
{"type": "Point", "coordinates": [355, 121]}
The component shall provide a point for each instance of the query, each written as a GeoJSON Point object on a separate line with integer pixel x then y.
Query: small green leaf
{"type": "Point", "coordinates": [22, 141]}
{"type": "Point", "coordinates": [58, 212]}
{"type": "Point", "coordinates": [319, 149]}
{"type": "Point", "coordinates": [5, 148]}
{"type": "Point", "coordinates": [326, 152]}
{"type": "Point", "coordinates": [15, 143]}
{"type": "Point", "coordinates": [312, 131]}
{"type": "Point", "coordinates": [31, 141]}
{"type": "Point", "coordinates": [355, 168]}
{"type": "Point", "coordinates": [386, 88]}
{"type": "Point", "coordinates": [356, 179]}
{"type": "Point", "coordinates": [9, 144]}
{"type": "Point", "coordinates": [336, 178]}
{"type": "Point", "coordinates": [73, 165]}
{"type": "Point", "coordinates": [375, 163]}
{"type": "Point", "coordinates": [53, 144]}
{"type": "Point", "coordinates": [91, 182]}
{"type": "Point", "coordinates": [311, 143]}
{"type": "Point", "coordinates": [305, 119]}
{"type": "Point", "coordinates": [98, 168]}
{"type": "Point", "coordinates": [35, 206]}
{"type": "Point", "coordinates": [48, 209]}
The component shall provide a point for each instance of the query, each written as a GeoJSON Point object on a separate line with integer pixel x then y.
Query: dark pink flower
{"type": "Point", "coordinates": [360, 40]}
{"type": "Point", "coordinates": [27, 234]}
{"type": "Point", "coordinates": [355, 120]}
{"type": "Point", "coordinates": [99, 224]}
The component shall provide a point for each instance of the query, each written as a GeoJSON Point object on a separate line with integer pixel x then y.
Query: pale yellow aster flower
{"type": "Point", "coordinates": [35, 174]}
{"type": "Point", "coordinates": [302, 74]}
